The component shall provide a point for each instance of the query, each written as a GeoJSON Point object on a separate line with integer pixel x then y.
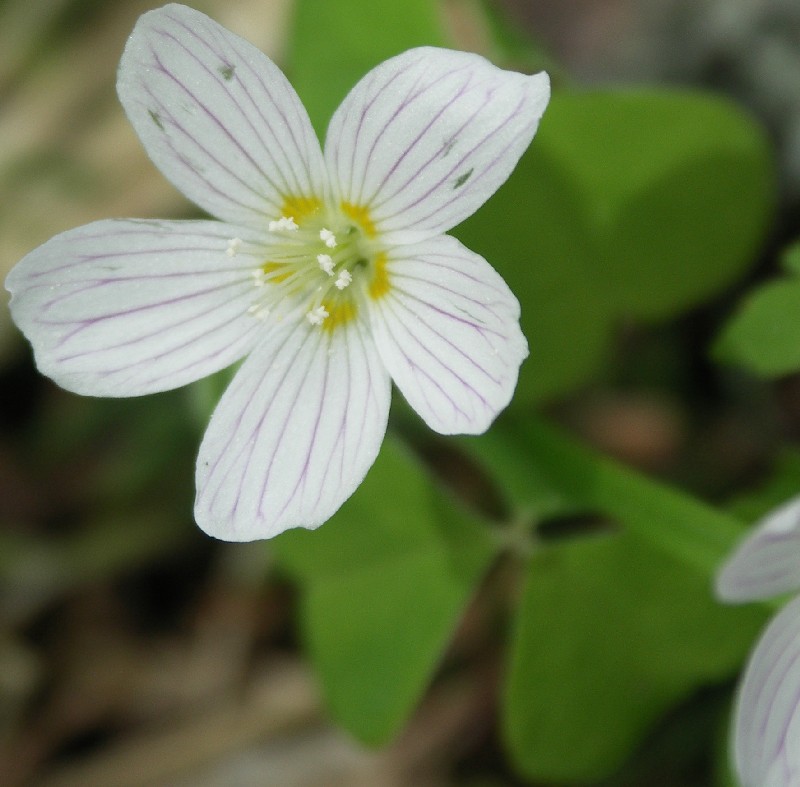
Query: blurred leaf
{"type": "Point", "coordinates": [776, 489]}
{"type": "Point", "coordinates": [119, 451]}
{"type": "Point", "coordinates": [334, 44]}
{"type": "Point", "coordinates": [384, 583]}
{"type": "Point", "coordinates": [790, 259]}
{"type": "Point", "coordinates": [628, 204]}
{"type": "Point", "coordinates": [764, 335]}
{"type": "Point", "coordinates": [610, 635]}
{"type": "Point", "coordinates": [535, 233]}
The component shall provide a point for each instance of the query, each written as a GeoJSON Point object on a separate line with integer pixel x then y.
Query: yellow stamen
{"type": "Point", "coordinates": [300, 208]}
{"type": "Point", "coordinates": [360, 215]}
{"type": "Point", "coordinates": [271, 267]}
{"type": "Point", "coordinates": [339, 313]}
{"type": "Point", "coordinates": [379, 285]}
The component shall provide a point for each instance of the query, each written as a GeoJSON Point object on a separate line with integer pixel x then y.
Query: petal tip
{"type": "Point", "coordinates": [766, 713]}
{"type": "Point", "coordinates": [764, 564]}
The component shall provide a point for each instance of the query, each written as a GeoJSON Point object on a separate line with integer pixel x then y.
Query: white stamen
{"type": "Point", "coordinates": [283, 223]}
{"type": "Point", "coordinates": [259, 277]}
{"type": "Point", "coordinates": [259, 311]}
{"type": "Point", "coordinates": [233, 246]}
{"type": "Point", "coordinates": [316, 316]}
{"type": "Point", "coordinates": [326, 263]}
{"type": "Point", "coordinates": [343, 279]}
{"type": "Point", "coordinates": [328, 238]}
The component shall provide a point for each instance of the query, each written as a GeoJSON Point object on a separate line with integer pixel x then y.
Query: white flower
{"type": "Point", "coordinates": [328, 271]}
{"type": "Point", "coordinates": [766, 728]}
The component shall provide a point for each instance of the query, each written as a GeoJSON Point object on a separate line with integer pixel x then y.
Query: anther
{"type": "Point", "coordinates": [325, 263]}
{"type": "Point", "coordinates": [328, 238]}
{"type": "Point", "coordinates": [343, 279]}
{"type": "Point", "coordinates": [233, 246]}
{"type": "Point", "coordinates": [259, 311]}
{"type": "Point", "coordinates": [283, 223]}
{"type": "Point", "coordinates": [316, 316]}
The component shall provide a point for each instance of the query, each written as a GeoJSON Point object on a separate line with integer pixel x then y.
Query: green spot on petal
{"type": "Point", "coordinates": [448, 146]}
{"type": "Point", "coordinates": [227, 71]}
{"type": "Point", "coordinates": [156, 118]}
{"type": "Point", "coordinates": [462, 179]}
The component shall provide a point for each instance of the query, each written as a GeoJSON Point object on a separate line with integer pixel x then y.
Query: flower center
{"type": "Point", "coordinates": [327, 261]}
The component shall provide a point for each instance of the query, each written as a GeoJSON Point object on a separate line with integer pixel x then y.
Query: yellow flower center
{"type": "Point", "coordinates": [327, 259]}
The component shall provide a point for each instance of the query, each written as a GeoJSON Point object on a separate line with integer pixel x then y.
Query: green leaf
{"type": "Point", "coordinates": [778, 487]}
{"type": "Point", "coordinates": [790, 259]}
{"type": "Point", "coordinates": [610, 635]}
{"type": "Point", "coordinates": [613, 630]}
{"type": "Point", "coordinates": [764, 334]}
{"type": "Point", "coordinates": [628, 205]}
{"type": "Point", "coordinates": [333, 44]}
{"type": "Point", "coordinates": [535, 232]}
{"type": "Point", "coordinates": [384, 583]}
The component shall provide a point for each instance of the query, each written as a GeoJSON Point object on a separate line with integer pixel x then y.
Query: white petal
{"type": "Point", "coordinates": [767, 562]}
{"type": "Point", "coordinates": [122, 308]}
{"type": "Point", "coordinates": [427, 137]}
{"type": "Point", "coordinates": [766, 738]}
{"type": "Point", "coordinates": [217, 117]}
{"type": "Point", "coordinates": [294, 434]}
{"type": "Point", "coordinates": [448, 331]}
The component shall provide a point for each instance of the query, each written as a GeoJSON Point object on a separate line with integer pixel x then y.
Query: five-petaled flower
{"type": "Point", "coordinates": [766, 727]}
{"type": "Point", "coordinates": [329, 271]}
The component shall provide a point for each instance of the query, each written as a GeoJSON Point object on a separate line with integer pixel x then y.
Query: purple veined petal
{"type": "Point", "coordinates": [294, 434]}
{"type": "Point", "coordinates": [767, 562]}
{"type": "Point", "coordinates": [218, 117]}
{"type": "Point", "coordinates": [766, 730]}
{"type": "Point", "coordinates": [447, 328]}
{"type": "Point", "coordinates": [427, 137]}
{"type": "Point", "coordinates": [130, 307]}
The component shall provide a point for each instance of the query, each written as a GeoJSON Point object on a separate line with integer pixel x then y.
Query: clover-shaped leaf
{"type": "Point", "coordinates": [610, 634]}
{"type": "Point", "coordinates": [764, 334]}
{"type": "Point", "coordinates": [384, 583]}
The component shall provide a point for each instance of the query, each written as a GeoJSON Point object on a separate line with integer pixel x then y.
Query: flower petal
{"type": "Point", "coordinates": [428, 136]}
{"type": "Point", "coordinates": [447, 328]}
{"type": "Point", "coordinates": [218, 117]}
{"type": "Point", "coordinates": [294, 434]}
{"type": "Point", "coordinates": [766, 733]}
{"type": "Point", "coordinates": [122, 308]}
{"type": "Point", "coordinates": [767, 562]}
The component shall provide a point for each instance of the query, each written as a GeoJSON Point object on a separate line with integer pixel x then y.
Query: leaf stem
{"type": "Point", "coordinates": [691, 531]}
